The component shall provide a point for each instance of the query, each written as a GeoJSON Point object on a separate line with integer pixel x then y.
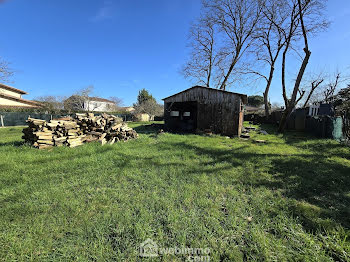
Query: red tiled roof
{"type": "Point", "coordinates": [10, 88]}
{"type": "Point", "coordinates": [99, 99]}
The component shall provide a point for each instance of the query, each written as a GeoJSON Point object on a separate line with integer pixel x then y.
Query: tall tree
{"type": "Point", "coordinates": [147, 104]}
{"type": "Point", "coordinates": [203, 57]}
{"type": "Point", "coordinates": [255, 100]}
{"type": "Point", "coordinates": [305, 16]}
{"type": "Point", "coordinates": [144, 96]}
{"type": "Point", "coordinates": [238, 20]}
{"type": "Point", "coordinates": [270, 42]}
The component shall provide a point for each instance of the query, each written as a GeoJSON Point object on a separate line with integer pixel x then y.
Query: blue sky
{"type": "Point", "coordinates": [120, 46]}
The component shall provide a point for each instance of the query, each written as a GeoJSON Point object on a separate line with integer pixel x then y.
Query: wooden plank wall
{"type": "Point", "coordinates": [218, 111]}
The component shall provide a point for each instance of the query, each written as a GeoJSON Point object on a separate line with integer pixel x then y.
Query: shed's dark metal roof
{"type": "Point", "coordinates": [244, 97]}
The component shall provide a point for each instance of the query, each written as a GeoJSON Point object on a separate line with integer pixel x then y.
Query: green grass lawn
{"type": "Point", "coordinates": [287, 200]}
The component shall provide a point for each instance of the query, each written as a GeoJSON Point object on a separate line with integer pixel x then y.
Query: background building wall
{"type": "Point", "coordinates": [8, 92]}
{"type": "Point", "coordinates": [9, 102]}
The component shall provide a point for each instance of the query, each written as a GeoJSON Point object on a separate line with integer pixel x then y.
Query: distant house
{"type": "Point", "coordinates": [205, 109]}
{"type": "Point", "coordinates": [11, 97]}
{"type": "Point", "coordinates": [143, 117]}
{"type": "Point", "coordinates": [98, 104]}
{"type": "Point", "coordinates": [252, 109]}
{"type": "Point", "coordinates": [128, 109]}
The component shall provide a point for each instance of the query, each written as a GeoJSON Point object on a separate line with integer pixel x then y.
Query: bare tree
{"type": "Point", "coordinates": [323, 87]}
{"type": "Point", "coordinates": [270, 42]}
{"type": "Point", "coordinates": [85, 94]}
{"type": "Point", "coordinates": [329, 91]}
{"type": "Point", "coordinates": [74, 103]}
{"type": "Point", "coordinates": [237, 19]}
{"type": "Point", "coordinates": [314, 84]}
{"type": "Point", "coordinates": [51, 104]}
{"type": "Point", "coordinates": [305, 17]}
{"type": "Point", "coordinates": [150, 107]}
{"type": "Point", "coordinates": [117, 103]}
{"type": "Point", "coordinates": [276, 106]}
{"type": "Point", "coordinates": [80, 101]}
{"type": "Point", "coordinates": [5, 71]}
{"type": "Point", "coordinates": [200, 65]}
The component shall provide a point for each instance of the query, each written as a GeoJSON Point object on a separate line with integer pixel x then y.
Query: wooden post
{"type": "Point", "coordinates": [2, 120]}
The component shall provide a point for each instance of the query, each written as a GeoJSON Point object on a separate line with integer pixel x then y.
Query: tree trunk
{"type": "Point", "coordinates": [223, 84]}
{"type": "Point", "coordinates": [266, 93]}
{"type": "Point", "coordinates": [291, 103]}
{"type": "Point", "coordinates": [210, 66]}
{"type": "Point", "coordinates": [209, 74]}
{"type": "Point", "coordinates": [308, 98]}
{"type": "Point", "coordinates": [284, 119]}
{"type": "Point", "coordinates": [234, 61]}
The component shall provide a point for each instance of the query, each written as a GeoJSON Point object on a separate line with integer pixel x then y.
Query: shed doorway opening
{"type": "Point", "coordinates": [182, 116]}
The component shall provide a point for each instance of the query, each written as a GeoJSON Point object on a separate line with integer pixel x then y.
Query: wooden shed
{"type": "Point", "coordinates": [205, 109]}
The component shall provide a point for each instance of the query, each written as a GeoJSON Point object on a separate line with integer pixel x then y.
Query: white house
{"type": "Point", "coordinates": [98, 104]}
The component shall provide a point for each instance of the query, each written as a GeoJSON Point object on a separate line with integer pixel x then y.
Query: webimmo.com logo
{"type": "Point", "coordinates": [150, 248]}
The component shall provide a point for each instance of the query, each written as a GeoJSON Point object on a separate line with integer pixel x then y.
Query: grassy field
{"type": "Point", "coordinates": [287, 200]}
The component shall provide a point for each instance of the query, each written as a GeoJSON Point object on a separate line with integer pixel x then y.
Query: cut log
{"type": "Point", "coordinates": [84, 127]}
{"type": "Point", "coordinates": [112, 141]}
{"type": "Point", "coordinates": [260, 141]}
{"type": "Point", "coordinates": [102, 136]}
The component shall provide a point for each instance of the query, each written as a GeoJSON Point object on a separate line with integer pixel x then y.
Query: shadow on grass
{"type": "Point", "coordinates": [149, 128]}
{"type": "Point", "coordinates": [307, 141]}
{"type": "Point", "coordinates": [319, 186]}
{"type": "Point", "coordinates": [13, 143]}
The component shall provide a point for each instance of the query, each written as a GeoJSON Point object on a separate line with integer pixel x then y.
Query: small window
{"type": "Point", "coordinates": [174, 113]}
{"type": "Point", "coordinates": [187, 113]}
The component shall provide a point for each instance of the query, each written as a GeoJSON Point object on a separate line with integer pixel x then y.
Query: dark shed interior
{"type": "Point", "coordinates": [204, 109]}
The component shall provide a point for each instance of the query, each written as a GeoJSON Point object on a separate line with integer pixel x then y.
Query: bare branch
{"type": "Point", "coordinates": [237, 19]}
{"type": "Point", "coordinates": [314, 84]}
{"type": "Point", "coordinates": [200, 65]}
{"type": "Point", "coordinates": [5, 71]}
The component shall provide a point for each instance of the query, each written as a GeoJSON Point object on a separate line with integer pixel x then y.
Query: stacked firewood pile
{"type": "Point", "coordinates": [74, 132]}
{"type": "Point", "coordinates": [105, 128]}
{"type": "Point", "coordinates": [43, 134]}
